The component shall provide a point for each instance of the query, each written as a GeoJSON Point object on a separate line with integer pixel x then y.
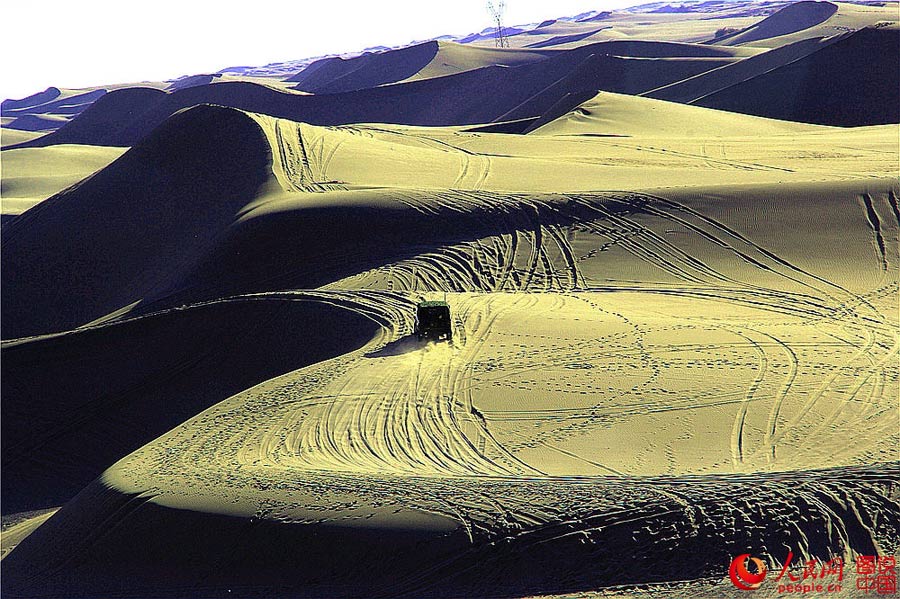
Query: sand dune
{"type": "Point", "coordinates": [807, 20]}
{"type": "Point", "coordinates": [11, 137]}
{"type": "Point", "coordinates": [196, 354]}
{"type": "Point", "coordinates": [123, 117]}
{"type": "Point", "coordinates": [641, 25]}
{"type": "Point", "coordinates": [422, 61]}
{"type": "Point", "coordinates": [185, 545]}
{"type": "Point", "coordinates": [455, 58]}
{"type": "Point", "coordinates": [102, 116]}
{"type": "Point", "coordinates": [693, 88]}
{"type": "Point", "coordinates": [20, 528]}
{"type": "Point", "coordinates": [34, 122]}
{"type": "Point", "coordinates": [615, 114]}
{"type": "Point", "coordinates": [439, 84]}
{"type": "Point", "coordinates": [675, 328]}
{"type": "Point", "coordinates": [69, 104]}
{"type": "Point", "coordinates": [560, 40]}
{"type": "Point", "coordinates": [49, 94]}
{"type": "Point", "coordinates": [790, 19]}
{"type": "Point", "coordinates": [191, 81]}
{"type": "Point", "coordinates": [610, 73]}
{"type": "Point", "coordinates": [277, 469]}
{"type": "Point", "coordinates": [334, 75]}
{"type": "Point", "coordinates": [851, 82]}
{"type": "Point", "coordinates": [264, 157]}
{"type": "Point", "coordinates": [32, 175]}
{"type": "Point", "coordinates": [655, 49]}
{"type": "Point", "coordinates": [138, 245]}
{"type": "Point", "coordinates": [48, 110]}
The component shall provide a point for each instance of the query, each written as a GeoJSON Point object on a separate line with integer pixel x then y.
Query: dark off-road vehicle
{"type": "Point", "coordinates": [433, 321]}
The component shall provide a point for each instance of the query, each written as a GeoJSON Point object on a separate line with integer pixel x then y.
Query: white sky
{"type": "Point", "coordinates": [94, 42]}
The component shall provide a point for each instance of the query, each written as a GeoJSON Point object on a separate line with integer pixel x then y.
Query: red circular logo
{"type": "Point", "coordinates": [742, 577]}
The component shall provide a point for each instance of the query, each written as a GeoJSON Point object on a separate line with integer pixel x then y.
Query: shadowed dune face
{"type": "Point", "coordinates": [152, 211]}
{"type": "Point", "coordinates": [48, 110]}
{"type": "Point", "coordinates": [98, 394]}
{"type": "Point", "coordinates": [609, 73]}
{"type": "Point", "coordinates": [650, 49]}
{"type": "Point", "coordinates": [192, 81]}
{"type": "Point", "coordinates": [335, 75]}
{"type": "Point", "coordinates": [851, 82]}
{"type": "Point", "coordinates": [562, 39]}
{"type": "Point", "coordinates": [469, 97]}
{"type": "Point", "coordinates": [402, 551]}
{"type": "Point", "coordinates": [695, 88]}
{"type": "Point", "coordinates": [790, 19]}
{"type": "Point", "coordinates": [31, 175]}
{"type": "Point", "coordinates": [72, 104]}
{"type": "Point", "coordinates": [49, 94]}
{"type": "Point", "coordinates": [674, 329]}
{"type": "Point", "coordinates": [105, 116]}
{"type": "Point", "coordinates": [35, 122]}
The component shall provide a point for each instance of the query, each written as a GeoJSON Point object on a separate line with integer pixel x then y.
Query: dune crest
{"type": "Point", "coordinates": [790, 19]}
{"type": "Point", "coordinates": [150, 212]}
{"type": "Point", "coordinates": [673, 328]}
{"type": "Point", "coordinates": [849, 83]}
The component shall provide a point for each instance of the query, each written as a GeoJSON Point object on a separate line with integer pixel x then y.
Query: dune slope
{"type": "Point", "coordinates": [200, 355]}
{"type": "Point", "coordinates": [481, 95]}
{"type": "Point", "coordinates": [693, 88]}
{"type": "Point", "coordinates": [136, 243]}
{"type": "Point", "coordinates": [849, 83]}
{"type": "Point", "coordinates": [31, 175]}
{"type": "Point", "coordinates": [334, 75]}
{"type": "Point", "coordinates": [792, 18]}
{"type": "Point", "coordinates": [155, 243]}
{"type": "Point", "coordinates": [675, 340]}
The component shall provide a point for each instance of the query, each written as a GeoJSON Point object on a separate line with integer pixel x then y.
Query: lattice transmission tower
{"type": "Point", "coordinates": [496, 9]}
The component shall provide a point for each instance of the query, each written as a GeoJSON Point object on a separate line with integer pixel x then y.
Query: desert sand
{"type": "Point", "coordinates": [675, 327]}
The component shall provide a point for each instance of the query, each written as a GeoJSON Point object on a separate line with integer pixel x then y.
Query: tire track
{"type": "Point", "coordinates": [737, 432]}
{"type": "Point", "coordinates": [875, 225]}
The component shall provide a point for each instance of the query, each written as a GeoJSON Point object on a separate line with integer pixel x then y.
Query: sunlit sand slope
{"type": "Point", "coordinates": [421, 61]}
{"type": "Point", "coordinates": [793, 18]}
{"type": "Point", "coordinates": [476, 96]}
{"type": "Point", "coordinates": [807, 20]}
{"type": "Point", "coordinates": [79, 401]}
{"type": "Point", "coordinates": [675, 340]}
{"type": "Point", "coordinates": [161, 232]}
{"type": "Point", "coordinates": [9, 137]}
{"type": "Point", "coordinates": [33, 175]}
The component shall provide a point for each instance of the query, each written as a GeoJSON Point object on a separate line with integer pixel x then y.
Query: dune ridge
{"type": "Point", "coordinates": [790, 19]}
{"type": "Point", "coordinates": [120, 119]}
{"type": "Point", "coordinates": [704, 84]}
{"type": "Point", "coordinates": [675, 333]}
{"type": "Point", "coordinates": [432, 553]}
{"type": "Point", "coordinates": [850, 82]}
{"type": "Point", "coordinates": [49, 94]}
{"type": "Point", "coordinates": [334, 75]}
{"type": "Point", "coordinates": [159, 175]}
{"type": "Point", "coordinates": [266, 157]}
{"type": "Point", "coordinates": [141, 364]}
